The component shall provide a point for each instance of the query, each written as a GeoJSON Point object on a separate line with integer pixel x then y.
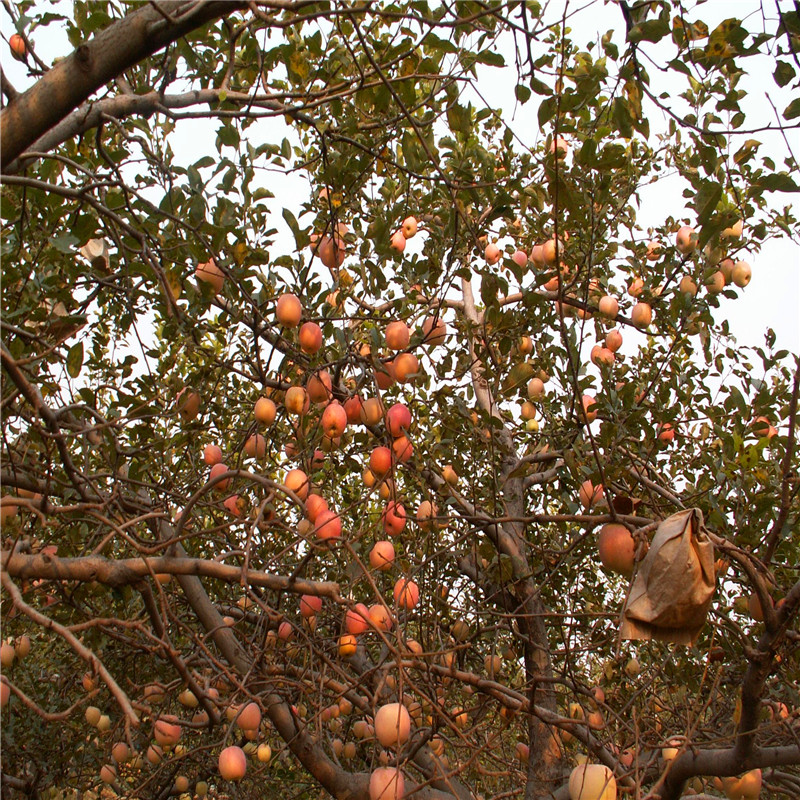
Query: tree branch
{"type": "Point", "coordinates": [93, 64]}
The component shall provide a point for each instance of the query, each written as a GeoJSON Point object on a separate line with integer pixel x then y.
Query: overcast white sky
{"type": "Point", "coordinates": [773, 296]}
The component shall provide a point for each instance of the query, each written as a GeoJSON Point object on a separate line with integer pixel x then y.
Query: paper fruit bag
{"type": "Point", "coordinates": [672, 591]}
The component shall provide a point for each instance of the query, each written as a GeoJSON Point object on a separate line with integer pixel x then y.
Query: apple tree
{"type": "Point", "coordinates": [367, 369]}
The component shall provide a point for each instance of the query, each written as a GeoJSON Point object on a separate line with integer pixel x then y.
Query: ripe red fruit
{"type": "Point", "coordinates": [402, 449]}
{"type": "Point", "coordinates": [212, 454]}
{"type": "Point", "coordinates": [334, 420]}
{"type": "Point", "coordinates": [314, 505]}
{"type": "Point", "coordinates": [398, 241]}
{"type": "Point", "coordinates": [328, 525]}
{"type": "Point", "coordinates": [265, 411]}
{"type": "Point", "coordinates": [381, 557]}
{"type": "Point", "coordinates": [394, 518]}
{"type": "Point", "coordinates": [398, 335]}
{"type": "Point", "coordinates": [609, 306]}
{"type": "Point", "coordinates": [353, 407]}
{"type": "Point", "coordinates": [492, 253]}
{"type": "Point", "coordinates": [255, 446]}
{"type": "Point", "coordinates": [409, 228]}
{"type": "Point", "coordinates": [310, 605]}
{"type": "Point", "coordinates": [434, 331]}
{"type": "Point", "coordinates": [666, 432]}
{"type": "Point", "coordinates": [215, 472]}
{"type": "Point", "coordinates": [166, 731]}
{"type": "Point", "coordinates": [297, 481]}
{"type": "Point", "coordinates": [249, 717]}
{"type": "Point", "coordinates": [380, 618]}
{"type": "Point", "coordinates": [387, 783]}
{"type": "Point", "coordinates": [591, 494]}
{"type": "Point", "coordinates": [188, 404]}
{"type": "Point", "coordinates": [406, 594]}
{"type": "Point", "coordinates": [642, 315]}
{"type": "Point", "coordinates": [380, 461]}
{"type": "Point", "coordinates": [288, 310]}
{"type": "Point", "coordinates": [211, 274]}
{"type": "Point", "coordinates": [356, 620]}
{"type": "Point", "coordinates": [18, 47]}
{"type": "Point", "coordinates": [232, 763]}
{"type": "Point", "coordinates": [613, 340]}
{"type": "Point", "coordinates": [310, 337]}
{"type": "Point", "coordinates": [331, 251]}
{"type": "Point", "coordinates": [589, 406]}
{"type": "Point", "coordinates": [686, 240]}
{"type": "Point", "coordinates": [617, 548]}
{"type": "Point", "coordinates": [320, 387]}
{"type": "Point", "coordinates": [398, 420]}
{"type": "Point", "coordinates": [392, 725]}
{"type": "Point", "coordinates": [406, 367]}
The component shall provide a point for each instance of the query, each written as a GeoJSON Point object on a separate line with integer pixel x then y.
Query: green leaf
{"type": "Point", "coordinates": [65, 243]}
{"type": "Point", "coordinates": [523, 93]}
{"type": "Point", "coordinates": [793, 109]}
{"type": "Point", "coordinates": [778, 182]}
{"type": "Point", "coordinates": [706, 200]}
{"type": "Point", "coordinates": [291, 221]}
{"type": "Point", "coordinates": [653, 30]}
{"type": "Point", "coordinates": [546, 110]}
{"type": "Point", "coordinates": [459, 118]}
{"type": "Point", "coordinates": [75, 360]}
{"type": "Point", "coordinates": [784, 73]}
{"type": "Point", "coordinates": [491, 57]}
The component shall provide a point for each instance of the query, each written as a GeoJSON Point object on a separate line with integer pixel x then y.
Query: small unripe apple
{"type": "Point", "coordinates": [734, 231]}
{"type": "Point", "coordinates": [310, 337]}
{"type": "Point", "coordinates": [715, 283]}
{"type": "Point", "coordinates": [18, 47]}
{"type": "Point", "coordinates": [265, 411]}
{"type": "Point", "coordinates": [450, 476]}
{"type": "Point", "coordinates": [609, 306]}
{"type": "Point", "coordinates": [687, 286]}
{"type": "Point", "coordinates": [398, 241]}
{"type": "Point", "coordinates": [741, 274]}
{"type": "Point", "coordinates": [211, 274]}
{"type": "Point", "coordinates": [409, 227]}
{"type": "Point", "coordinates": [288, 310]}
{"type": "Point", "coordinates": [520, 258]}
{"type": "Point", "coordinates": [686, 240]}
{"type": "Point", "coordinates": [642, 315]}
{"type": "Point", "coordinates": [654, 249]}
{"type": "Point", "coordinates": [632, 668]}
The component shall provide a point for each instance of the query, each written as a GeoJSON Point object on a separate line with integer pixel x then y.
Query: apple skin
{"type": "Point", "coordinates": [392, 725]}
{"type": "Point", "coordinates": [686, 239]}
{"type": "Point", "coordinates": [592, 782]}
{"type": "Point", "coordinates": [386, 783]}
{"type": "Point", "coordinates": [617, 548]}
{"type": "Point", "coordinates": [18, 47]}
{"type": "Point", "coordinates": [398, 420]}
{"type": "Point", "coordinates": [310, 338]}
{"type": "Point", "coordinates": [409, 227]}
{"type": "Point", "coordinates": [232, 763]}
{"type": "Point", "coordinates": [288, 310]}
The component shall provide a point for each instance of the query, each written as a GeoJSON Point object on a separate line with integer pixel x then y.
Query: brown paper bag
{"type": "Point", "coordinates": [672, 591]}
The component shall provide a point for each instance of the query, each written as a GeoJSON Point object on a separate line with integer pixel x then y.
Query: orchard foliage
{"type": "Point", "coordinates": [196, 466]}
